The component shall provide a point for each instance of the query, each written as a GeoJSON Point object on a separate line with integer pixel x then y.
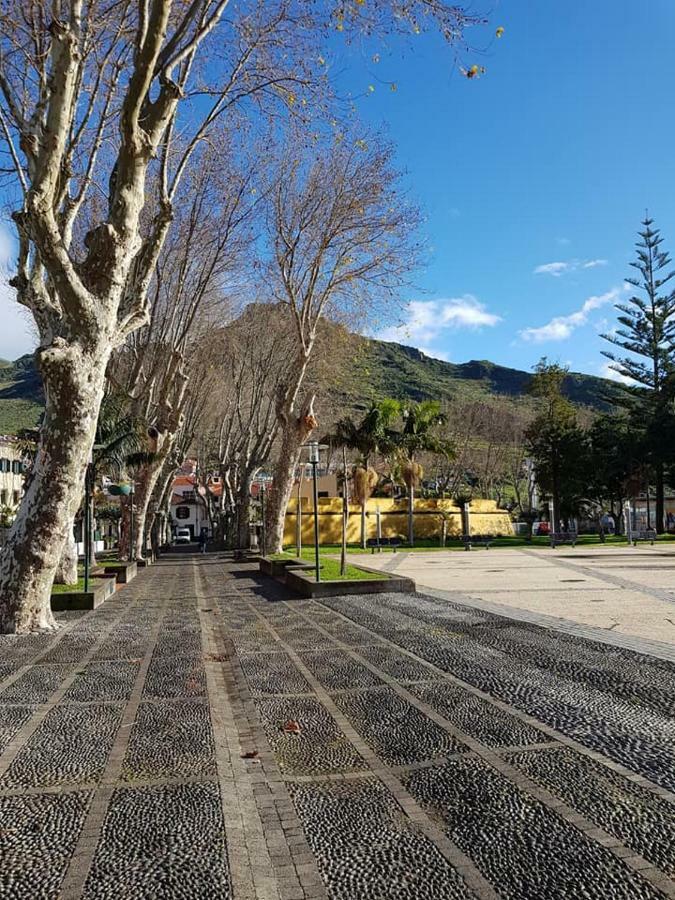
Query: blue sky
{"type": "Point", "coordinates": [533, 178]}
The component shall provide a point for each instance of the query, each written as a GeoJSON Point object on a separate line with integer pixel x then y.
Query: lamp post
{"type": "Point", "coordinates": [88, 490]}
{"type": "Point", "coordinates": [314, 460]}
{"type": "Point", "coordinates": [132, 548]}
{"type": "Point", "coordinates": [262, 516]}
{"type": "Point", "coordinates": [87, 523]}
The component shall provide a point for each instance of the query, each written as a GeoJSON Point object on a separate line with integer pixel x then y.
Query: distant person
{"type": "Point", "coordinates": [203, 538]}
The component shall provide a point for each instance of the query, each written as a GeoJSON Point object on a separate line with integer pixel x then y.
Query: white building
{"type": "Point", "coordinates": [12, 469]}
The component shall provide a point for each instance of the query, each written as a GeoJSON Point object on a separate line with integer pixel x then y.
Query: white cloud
{"type": "Point", "coordinates": [18, 329]}
{"type": "Point", "coordinates": [555, 268]}
{"type": "Point", "coordinates": [427, 318]}
{"type": "Point", "coordinates": [435, 354]}
{"type": "Point", "coordinates": [562, 327]}
{"type": "Point", "coordinates": [7, 251]}
{"type": "Point", "coordinates": [562, 268]}
{"type": "Point", "coordinates": [607, 371]}
{"type": "Point", "coordinates": [563, 241]}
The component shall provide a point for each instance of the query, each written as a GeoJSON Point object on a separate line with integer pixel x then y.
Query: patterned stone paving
{"type": "Point", "coordinates": [205, 735]}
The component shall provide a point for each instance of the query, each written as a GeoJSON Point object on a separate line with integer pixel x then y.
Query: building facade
{"type": "Point", "coordinates": [12, 471]}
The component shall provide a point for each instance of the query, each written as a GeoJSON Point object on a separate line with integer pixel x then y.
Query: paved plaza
{"type": "Point", "coordinates": [205, 735]}
{"type": "Point", "coordinates": [628, 591]}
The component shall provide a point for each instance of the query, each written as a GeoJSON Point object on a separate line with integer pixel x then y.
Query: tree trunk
{"type": "Point", "coordinates": [293, 436]}
{"type": "Point", "coordinates": [74, 381]}
{"type": "Point", "coordinates": [345, 513]}
{"type": "Point", "coordinates": [363, 524]}
{"type": "Point", "coordinates": [144, 487]}
{"type": "Point", "coordinates": [411, 513]}
{"type": "Point", "coordinates": [659, 501]}
{"type": "Point", "coordinates": [124, 540]}
{"type": "Point", "coordinates": [66, 571]}
{"type": "Point", "coordinates": [244, 512]}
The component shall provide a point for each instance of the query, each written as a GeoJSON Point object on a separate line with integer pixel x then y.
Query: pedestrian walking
{"type": "Point", "coordinates": [202, 540]}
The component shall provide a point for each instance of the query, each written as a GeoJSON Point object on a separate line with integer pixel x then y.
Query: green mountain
{"type": "Point", "coordinates": [21, 397]}
{"type": "Point", "coordinates": [393, 370]}
{"type": "Point", "coordinates": [374, 369]}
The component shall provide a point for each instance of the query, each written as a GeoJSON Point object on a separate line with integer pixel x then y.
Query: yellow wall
{"type": "Point", "coordinates": [485, 518]}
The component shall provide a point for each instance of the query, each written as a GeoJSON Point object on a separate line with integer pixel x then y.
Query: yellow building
{"type": "Point", "coordinates": [484, 518]}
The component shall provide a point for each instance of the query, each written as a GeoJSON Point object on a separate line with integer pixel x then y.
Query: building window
{"type": "Point", "coordinates": [182, 512]}
{"type": "Point", "coordinates": [4, 465]}
{"type": "Point", "coordinates": [16, 467]}
{"type": "Point", "coordinates": [322, 494]}
{"type": "Point", "coordinates": [3, 498]}
{"type": "Point", "coordinates": [16, 497]}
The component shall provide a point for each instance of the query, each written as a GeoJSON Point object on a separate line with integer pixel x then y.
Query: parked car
{"type": "Point", "coordinates": [183, 536]}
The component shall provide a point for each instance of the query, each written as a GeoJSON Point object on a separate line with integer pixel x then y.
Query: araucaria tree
{"type": "Point", "coordinates": [647, 335]}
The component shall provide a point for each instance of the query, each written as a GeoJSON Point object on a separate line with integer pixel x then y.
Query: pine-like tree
{"type": "Point", "coordinates": [647, 335]}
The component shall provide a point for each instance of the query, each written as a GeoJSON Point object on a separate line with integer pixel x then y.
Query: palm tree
{"type": "Point", "coordinates": [420, 422]}
{"type": "Point", "coordinates": [370, 436]}
{"type": "Point", "coordinates": [120, 444]}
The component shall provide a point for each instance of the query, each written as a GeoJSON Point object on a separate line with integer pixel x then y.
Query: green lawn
{"type": "Point", "coordinates": [330, 568]}
{"type": "Point", "coordinates": [68, 588]}
{"type": "Point", "coordinates": [427, 545]}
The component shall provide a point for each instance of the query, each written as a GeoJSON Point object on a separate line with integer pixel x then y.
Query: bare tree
{"type": "Point", "coordinates": [343, 242]}
{"type": "Point", "coordinates": [90, 96]}
{"type": "Point", "coordinates": [89, 99]}
{"type": "Point", "coordinates": [188, 298]}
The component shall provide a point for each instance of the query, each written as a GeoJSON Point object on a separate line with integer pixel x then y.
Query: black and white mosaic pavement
{"type": "Point", "coordinates": [204, 734]}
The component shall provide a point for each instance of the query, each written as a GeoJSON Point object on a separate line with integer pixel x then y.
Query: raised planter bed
{"type": "Point", "coordinates": [124, 572]}
{"type": "Point", "coordinates": [277, 567]}
{"type": "Point", "coordinates": [298, 575]}
{"type": "Point", "coordinates": [99, 590]}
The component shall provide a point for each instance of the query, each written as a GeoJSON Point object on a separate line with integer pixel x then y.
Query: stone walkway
{"type": "Point", "coordinates": [150, 750]}
{"type": "Point", "coordinates": [626, 592]}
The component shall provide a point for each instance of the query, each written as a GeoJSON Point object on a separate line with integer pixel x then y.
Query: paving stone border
{"type": "Point", "coordinates": [404, 778]}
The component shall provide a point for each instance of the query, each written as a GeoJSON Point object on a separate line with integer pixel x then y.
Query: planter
{"type": "Point", "coordinates": [277, 567]}
{"type": "Point", "coordinates": [295, 573]}
{"type": "Point", "coordinates": [306, 586]}
{"type": "Point", "coordinates": [123, 572]}
{"type": "Point", "coordinates": [99, 590]}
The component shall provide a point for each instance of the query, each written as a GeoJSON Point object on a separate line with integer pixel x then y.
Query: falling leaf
{"type": "Point", "coordinates": [371, 88]}
{"type": "Point", "coordinates": [393, 86]}
{"type": "Point", "coordinates": [376, 57]}
{"type": "Point", "coordinates": [500, 31]}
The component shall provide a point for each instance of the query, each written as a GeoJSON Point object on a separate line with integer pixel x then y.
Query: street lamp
{"type": "Point", "coordinates": [263, 481]}
{"type": "Point", "coordinates": [88, 489]}
{"type": "Point", "coordinates": [87, 522]}
{"type": "Point", "coordinates": [314, 460]}
{"type": "Point", "coordinates": [132, 548]}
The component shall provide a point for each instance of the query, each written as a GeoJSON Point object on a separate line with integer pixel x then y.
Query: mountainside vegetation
{"type": "Point", "coordinates": [380, 369]}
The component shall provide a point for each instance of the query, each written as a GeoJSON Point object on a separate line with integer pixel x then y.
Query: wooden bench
{"type": "Point", "coordinates": [374, 543]}
{"type": "Point", "coordinates": [481, 540]}
{"type": "Point", "coordinates": [645, 534]}
{"type": "Point", "coordinates": [564, 537]}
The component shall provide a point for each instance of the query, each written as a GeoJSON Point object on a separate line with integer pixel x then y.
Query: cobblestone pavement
{"type": "Point", "coordinates": [440, 751]}
{"type": "Point", "coordinates": [616, 594]}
